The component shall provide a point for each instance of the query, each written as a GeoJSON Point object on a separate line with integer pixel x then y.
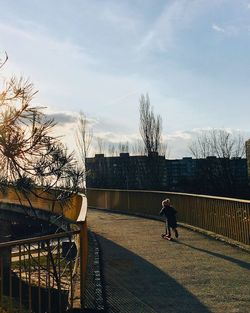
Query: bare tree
{"type": "Point", "coordinates": [163, 149]}
{"type": "Point", "coordinates": [137, 148]}
{"type": "Point", "coordinates": [111, 149]}
{"type": "Point", "coordinates": [4, 60]}
{"type": "Point", "coordinates": [115, 149]}
{"type": "Point", "coordinates": [123, 147]}
{"type": "Point", "coordinates": [150, 127]}
{"type": "Point", "coordinates": [219, 143]}
{"type": "Point", "coordinates": [151, 133]}
{"type": "Point", "coordinates": [201, 146]}
{"type": "Point", "coordinates": [101, 145]}
{"type": "Point", "coordinates": [84, 138]}
{"type": "Point", "coordinates": [216, 150]}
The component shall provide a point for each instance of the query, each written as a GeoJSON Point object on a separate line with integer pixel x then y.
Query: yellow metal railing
{"type": "Point", "coordinates": [40, 276]}
{"type": "Point", "coordinates": [39, 263]}
{"type": "Point", "coordinates": [224, 216]}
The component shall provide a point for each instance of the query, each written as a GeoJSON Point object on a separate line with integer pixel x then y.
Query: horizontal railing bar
{"type": "Point", "coordinates": [40, 238]}
{"type": "Point", "coordinates": [26, 256]}
{"type": "Point", "coordinates": [224, 216]}
{"type": "Point", "coordinates": [172, 193]}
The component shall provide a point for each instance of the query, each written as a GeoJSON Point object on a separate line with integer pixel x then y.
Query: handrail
{"type": "Point", "coordinates": [83, 211]}
{"type": "Point", "coordinates": [224, 216]}
{"type": "Point", "coordinates": [38, 238]}
{"type": "Point", "coordinates": [173, 193]}
{"type": "Point", "coordinates": [74, 211]}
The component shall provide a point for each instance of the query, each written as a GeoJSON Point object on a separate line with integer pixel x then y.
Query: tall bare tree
{"type": "Point", "coordinates": [151, 133]}
{"type": "Point", "coordinates": [150, 127]}
{"type": "Point", "coordinates": [84, 138]}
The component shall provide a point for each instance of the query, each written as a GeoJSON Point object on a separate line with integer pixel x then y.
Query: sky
{"type": "Point", "coordinates": [192, 57]}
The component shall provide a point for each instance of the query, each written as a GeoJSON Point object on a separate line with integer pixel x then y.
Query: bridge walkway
{"type": "Point", "coordinates": [144, 273]}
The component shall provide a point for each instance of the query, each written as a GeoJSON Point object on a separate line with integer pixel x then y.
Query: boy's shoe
{"type": "Point", "coordinates": [176, 233]}
{"type": "Point", "coordinates": [167, 237]}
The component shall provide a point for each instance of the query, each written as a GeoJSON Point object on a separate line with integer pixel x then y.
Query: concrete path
{"type": "Point", "coordinates": [144, 273]}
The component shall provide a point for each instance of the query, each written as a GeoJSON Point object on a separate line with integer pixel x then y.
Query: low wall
{"type": "Point", "coordinates": [46, 201]}
{"type": "Point", "coordinates": [224, 216]}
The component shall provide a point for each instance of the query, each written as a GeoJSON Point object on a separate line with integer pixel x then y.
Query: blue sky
{"type": "Point", "coordinates": [191, 57]}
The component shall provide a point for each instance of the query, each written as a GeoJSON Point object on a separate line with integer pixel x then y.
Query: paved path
{"type": "Point", "coordinates": [145, 273]}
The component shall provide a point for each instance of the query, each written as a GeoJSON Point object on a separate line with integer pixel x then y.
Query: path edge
{"type": "Point", "coordinates": [202, 231]}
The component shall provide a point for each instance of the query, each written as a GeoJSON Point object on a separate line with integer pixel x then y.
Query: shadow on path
{"type": "Point", "coordinates": [238, 262]}
{"type": "Point", "coordinates": [134, 285]}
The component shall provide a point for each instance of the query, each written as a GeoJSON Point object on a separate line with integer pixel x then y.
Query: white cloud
{"type": "Point", "coordinates": [229, 30]}
{"type": "Point", "coordinates": [162, 33]}
{"type": "Point", "coordinates": [178, 141]}
{"type": "Point", "coordinates": [175, 17]}
{"type": "Point", "coordinates": [218, 28]}
{"type": "Point", "coordinates": [34, 42]}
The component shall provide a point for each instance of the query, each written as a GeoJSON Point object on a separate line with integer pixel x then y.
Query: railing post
{"type": "Point", "coordinates": [128, 201]}
{"type": "Point", "coordinates": [5, 235]}
{"type": "Point", "coordinates": [83, 258]}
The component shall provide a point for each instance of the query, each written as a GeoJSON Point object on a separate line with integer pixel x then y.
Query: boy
{"type": "Point", "coordinates": [170, 214]}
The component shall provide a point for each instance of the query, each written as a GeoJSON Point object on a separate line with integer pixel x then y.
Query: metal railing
{"type": "Point", "coordinates": [224, 216]}
{"type": "Point", "coordinates": [40, 274]}
{"type": "Point", "coordinates": [45, 273]}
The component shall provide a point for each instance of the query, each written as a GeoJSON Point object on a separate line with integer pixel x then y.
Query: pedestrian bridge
{"type": "Point", "coordinates": [194, 273]}
{"type": "Point", "coordinates": [226, 217]}
{"type": "Point", "coordinates": [141, 271]}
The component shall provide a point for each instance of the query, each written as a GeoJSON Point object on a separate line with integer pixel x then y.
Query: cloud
{"type": "Point", "coordinates": [229, 30]}
{"type": "Point", "coordinates": [105, 125]}
{"type": "Point", "coordinates": [123, 97]}
{"type": "Point", "coordinates": [115, 138]}
{"type": "Point", "coordinates": [62, 118]}
{"type": "Point", "coordinates": [218, 28]}
{"type": "Point", "coordinates": [161, 35]}
{"type": "Point", "coordinates": [174, 17]}
{"type": "Point", "coordinates": [34, 41]}
{"type": "Point", "coordinates": [111, 133]}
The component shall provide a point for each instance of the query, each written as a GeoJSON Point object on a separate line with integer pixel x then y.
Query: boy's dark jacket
{"type": "Point", "coordinates": [170, 213]}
